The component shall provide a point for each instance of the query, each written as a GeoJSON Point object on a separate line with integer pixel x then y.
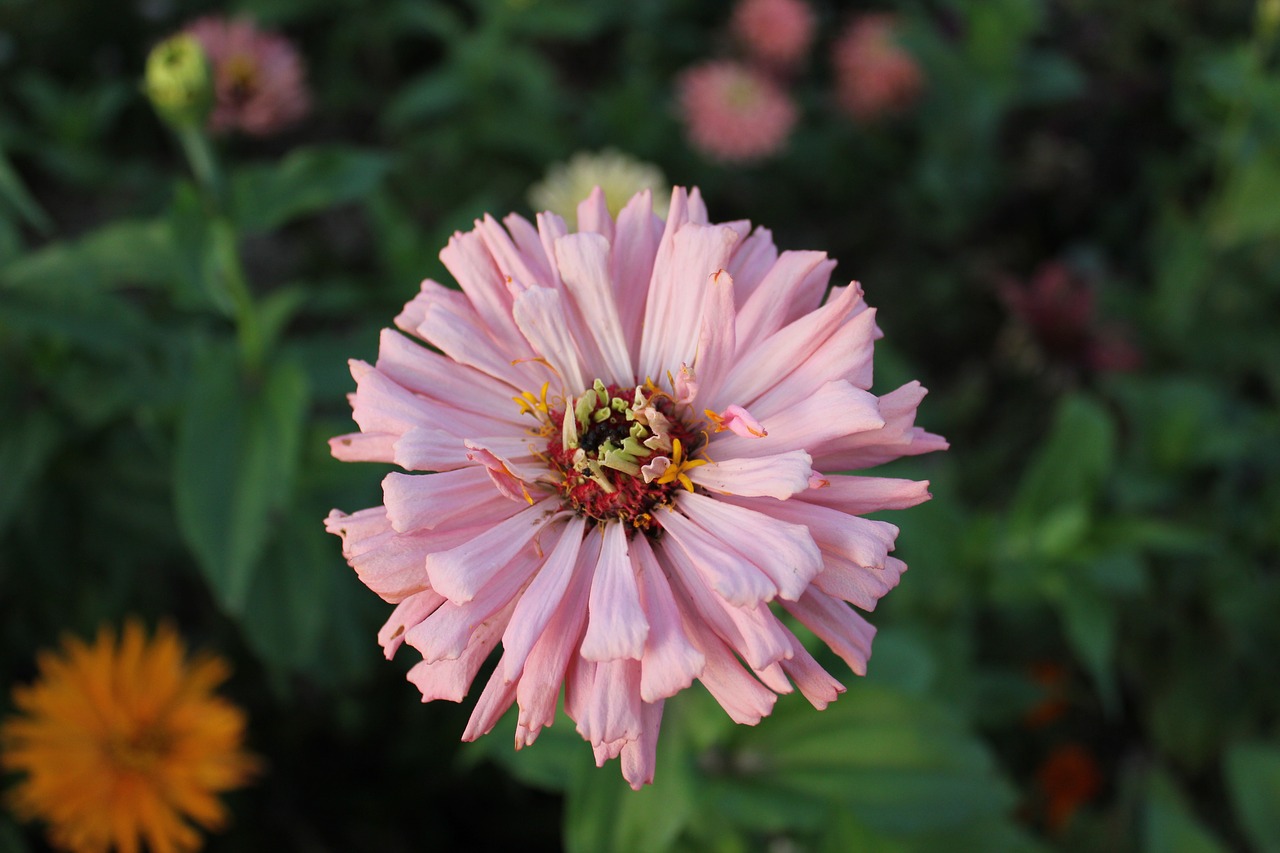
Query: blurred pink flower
{"type": "Point", "coordinates": [733, 113]}
{"type": "Point", "coordinates": [775, 32]}
{"type": "Point", "coordinates": [259, 79]}
{"type": "Point", "coordinates": [875, 76]}
{"type": "Point", "coordinates": [634, 427]}
{"type": "Point", "coordinates": [1058, 307]}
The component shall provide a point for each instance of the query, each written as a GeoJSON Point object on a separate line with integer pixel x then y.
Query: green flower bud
{"type": "Point", "coordinates": [179, 81]}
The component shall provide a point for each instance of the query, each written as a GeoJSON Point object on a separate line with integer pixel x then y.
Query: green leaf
{"type": "Point", "coordinates": [307, 181]}
{"type": "Point", "coordinates": [26, 443]}
{"type": "Point", "coordinates": [1169, 825]}
{"type": "Point", "coordinates": [1253, 776]}
{"type": "Point", "coordinates": [1070, 467]}
{"type": "Point", "coordinates": [13, 192]}
{"type": "Point", "coordinates": [1090, 621]}
{"type": "Point", "coordinates": [129, 253]}
{"type": "Point", "coordinates": [237, 452]}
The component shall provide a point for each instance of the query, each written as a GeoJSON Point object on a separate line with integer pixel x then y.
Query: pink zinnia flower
{"type": "Point", "coordinates": [775, 32]}
{"type": "Point", "coordinates": [1058, 307]}
{"type": "Point", "coordinates": [258, 76]}
{"type": "Point", "coordinates": [875, 76]}
{"type": "Point", "coordinates": [635, 428]}
{"type": "Point", "coordinates": [733, 113]}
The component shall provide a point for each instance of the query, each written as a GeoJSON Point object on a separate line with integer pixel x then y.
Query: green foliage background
{"type": "Point", "coordinates": [1121, 529]}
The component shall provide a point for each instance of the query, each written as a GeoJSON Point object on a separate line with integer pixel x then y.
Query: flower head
{"type": "Point", "coordinates": [618, 176]}
{"type": "Point", "coordinates": [259, 79]}
{"type": "Point", "coordinates": [1058, 309]}
{"type": "Point", "coordinates": [733, 113]}
{"type": "Point", "coordinates": [636, 429]}
{"type": "Point", "coordinates": [178, 81]}
{"type": "Point", "coordinates": [775, 32]}
{"type": "Point", "coordinates": [124, 744]}
{"type": "Point", "coordinates": [875, 76]}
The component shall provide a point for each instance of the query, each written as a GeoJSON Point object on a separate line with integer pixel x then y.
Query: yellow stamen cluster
{"type": "Point", "coordinates": [679, 466]}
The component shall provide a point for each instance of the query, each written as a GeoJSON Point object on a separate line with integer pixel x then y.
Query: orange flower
{"type": "Point", "coordinates": [1068, 779]}
{"type": "Point", "coordinates": [124, 743]}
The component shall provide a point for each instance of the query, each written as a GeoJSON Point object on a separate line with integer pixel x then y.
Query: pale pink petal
{"type": "Point", "coordinates": [459, 573]}
{"type": "Point", "coordinates": [751, 260]}
{"type": "Point", "coordinates": [459, 334]}
{"type": "Point", "coordinates": [408, 613]}
{"type": "Point", "coordinates": [814, 682]}
{"type": "Point", "coordinates": [860, 495]}
{"type": "Point", "coordinates": [544, 670]}
{"type": "Point", "coordinates": [741, 423]}
{"type": "Point", "coordinates": [616, 625]}
{"type": "Point", "coordinates": [793, 287]}
{"type": "Point", "coordinates": [673, 314]}
{"type": "Point", "coordinates": [583, 260]}
{"type": "Point", "coordinates": [543, 596]}
{"type": "Point", "coordinates": [862, 540]}
{"type": "Point", "coordinates": [364, 447]}
{"type": "Point", "coordinates": [495, 699]}
{"type": "Point", "coordinates": [720, 567]}
{"type": "Point", "coordinates": [640, 756]}
{"type": "Point", "coordinates": [716, 341]}
{"type": "Point", "coordinates": [511, 262]}
{"type": "Point", "coordinates": [612, 712]}
{"type": "Point", "coordinates": [670, 661]}
{"type": "Point", "coordinates": [451, 628]}
{"type": "Point", "coordinates": [744, 699]}
{"type": "Point", "coordinates": [593, 215]}
{"type": "Point", "coordinates": [507, 479]}
{"type": "Point", "coordinates": [833, 411]}
{"type": "Point", "coordinates": [528, 242]}
{"type": "Point", "coordinates": [415, 501]}
{"type": "Point", "coordinates": [551, 228]}
{"type": "Point", "coordinates": [751, 630]}
{"type": "Point", "coordinates": [450, 678]}
{"type": "Point", "coordinates": [761, 365]}
{"type": "Point", "coordinates": [898, 437]}
{"type": "Point", "coordinates": [542, 320]}
{"type": "Point", "coordinates": [778, 476]}
{"type": "Point", "coordinates": [422, 449]}
{"type": "Point", "coordinates": [785, 553]}
{"type": "Point", "coordinates": [423, 371]}
{"type": "Point", "coordinates": [841, 628]}
{"type": "Point", "coordinates": [862, 586]}
{"type": "Point", "coordinates": [845, 355]}
{"type": "Point", "coordinates": [635, 245]}
{"type": "Point", "coordinates": [471, 263]}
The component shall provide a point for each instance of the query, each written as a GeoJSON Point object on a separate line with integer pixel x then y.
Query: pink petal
{"type": "Point", "coordinates": [415, 501]}
{"type": "Point", "coordinates": [364, 447]}
{"type": "Point", "coordinates": [542, 320]}
{"type": "Point", "coordinates": [422, 371]}
{"type": "Point", "coordinates": [762, 365]}
{"type": "Point", "coordinates": [472, 264]}
{"type": "Point", "coordinates": [528, 242]}
{"type": "Point", "coordinates": [832, 412]}
{"type": "Point", "coordinates": [847, 633]}
{"type": "Point", "coordinates": [616, 626]}
{"type": "Point", "coordinates": [451, 628]}
{"type": "Point", "coordinates": [793, 286]}
{"type": "Point", "coordinates": [539, 602]}
{"type": "Point", "coordinates": [583, 260]}
{"type": "Point", "coordinates": [862, 540]}
{"type": "Point", "coordinates": [751, 260]}
{"type": "Point", "coordinates": [408, 613]}
{"type": "Point", "coordinates": [640, 756]}
{"type": "Point", "coordinates": [670, 661]}
{"type": "Point", "coordinates": [861, 495]}
{"type": "Point", "coordinates": [814, 682]}
{"type": "Point", "coordinates": [612, 711]}
{"type": "Point", "coordinates": [859, 585]}
{"type": "Point", "coordinates": [717, 565]}
{"type": "Point", "coordinates": [450, 678]}
{"type": "Point", "coordinates": [784, 552]}
{"type": "Point", "coordinates": [673, 314]}
{"type": "Point", "coordinates": [717, 342]}
{"type": "Point", "coordinates": [511, 262]}
{"type": "Point", "coordinates": [778, 476]}
{"type": "Point", "coordinates": [593, 215]}
{"type": "Point", "coordinates": [495, 699]}
{"type": "Point", "coordinates": [545, 669]}
{"type": "Point", "coordinates": [635, 245]}
{"type": "Point", "coordinates": [845, 355]}
{"type": "Point", "coordinates": [897, 438]}
{"type": "Point", "coordinates": [742, 423]}
{"type": "Point", "coordinates": [460, 572]}
{"type": "Point", "coordinates": [744, 699]}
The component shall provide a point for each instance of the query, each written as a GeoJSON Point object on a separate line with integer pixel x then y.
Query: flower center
{"type": "Point", "coordinates": [619, 452]}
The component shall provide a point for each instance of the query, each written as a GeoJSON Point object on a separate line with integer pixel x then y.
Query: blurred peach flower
{"type": "Point", "coordinates": [259, 78]}
{"type": "Point", "coordinates": [875, 76]}
{"type": "Point", "coordinates": [774, 32]}
{"type": "Point", "coordinates": [733, 113]}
